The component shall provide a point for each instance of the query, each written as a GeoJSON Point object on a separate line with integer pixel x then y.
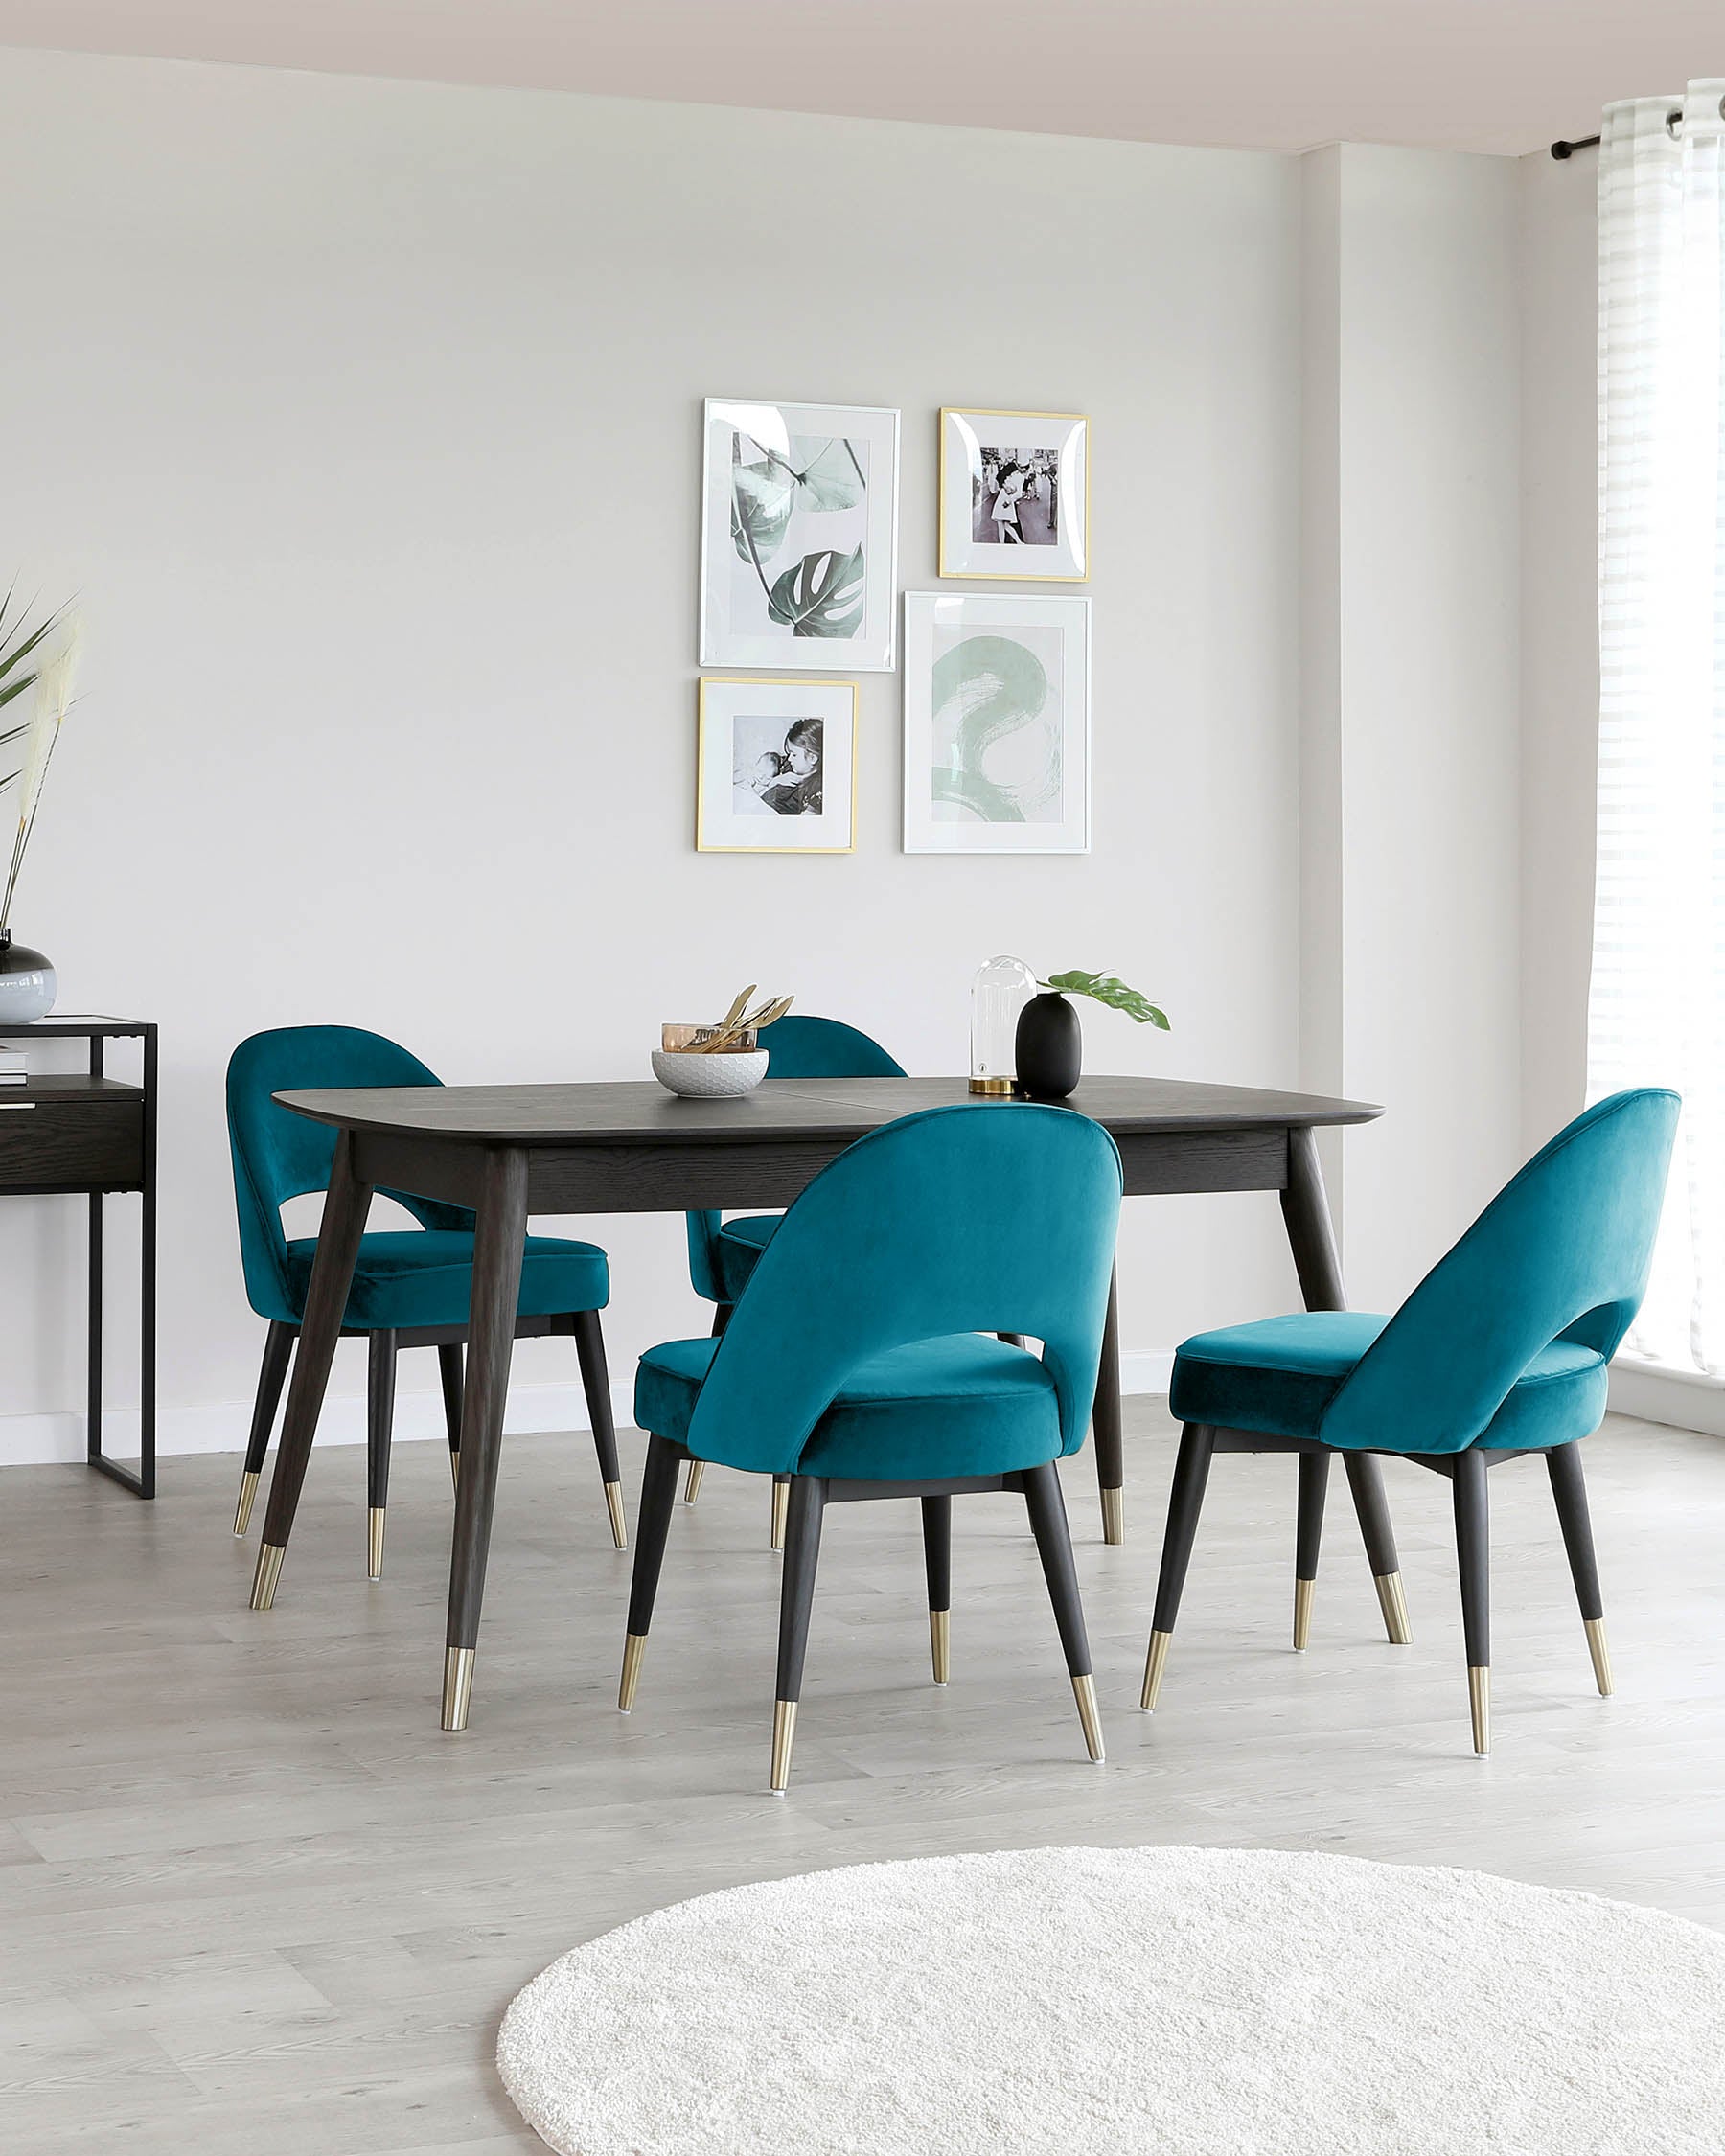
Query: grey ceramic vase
{"type": "Point", "coordinates": [27, 983]}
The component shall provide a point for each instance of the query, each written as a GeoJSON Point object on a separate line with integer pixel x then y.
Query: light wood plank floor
{"type": "Point", "coordinates": [253, 1901]}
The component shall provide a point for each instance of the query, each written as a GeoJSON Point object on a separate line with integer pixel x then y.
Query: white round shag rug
{"type": "Point", "coordinates": [1155, 2002]}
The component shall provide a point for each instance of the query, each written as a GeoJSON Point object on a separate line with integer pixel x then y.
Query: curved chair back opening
{"type": "Point", "coordinates": [278, 1155]}
{"type": "Point", "coordinates": [797, 1048]}
{"type": "Point", "coordinates": [973, 1219]}
{"type": "Point", "coordinates": [1561, 1253]}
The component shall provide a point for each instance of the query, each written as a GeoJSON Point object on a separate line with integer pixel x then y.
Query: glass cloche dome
{"type": "Point", "coordinates": [999, 993]}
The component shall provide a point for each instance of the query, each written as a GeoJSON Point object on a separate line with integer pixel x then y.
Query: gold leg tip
{"type": "Point", "coordinates": [458, 1686]}
{"type": "Point", "coordinates": [1393, 1603]}
{"type": "Point", "coordinates": [692, 1483]}
{"type": "Point", "coordinates": [268, 1572]}
{"type": "Point", "coordinates": [1084, 1691]}
{"type": "Point", "coordinates": [242, 1511]}
{"type": "Point", "coordinates": [1600, 1652]}
{"type": "Point", "coordinates": [1114, 1516]}
{"type": "Point", "coordinates": [784, 1736]}
{"type": "Point", "coordinates": [1304, 1591]}
{"type": "Point", "coordinates": [940, 1640]}
{"type": "Point", "coordinates": [1479, 1701]}
{"type": "Point", "coordinates": [613, 1506]}
{"type": "Point", "coordinates": [374, 1542]}
{"type": "Point", "coordinates": [781, 1508]}
{"type": "Point", "coordinates": [1155, 1663]}
{"type": "Point", "coordinates": [634, 1646]}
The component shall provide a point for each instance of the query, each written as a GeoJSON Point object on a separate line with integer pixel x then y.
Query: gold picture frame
{"type": "Point", "coordinates": [1054, 506]}
{"type": "Point", "coordinates": [738, 719]}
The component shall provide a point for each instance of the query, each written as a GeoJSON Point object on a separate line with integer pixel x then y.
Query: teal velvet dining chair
{"type": "Point", "coordinates": [857, 1361]}
{"type": "Point", "coordinates": [1500, 1351]}
{"type": "Point", "coordinates": [411, 1287]}
{"type": "Point", "coordinates": [721, 1252]}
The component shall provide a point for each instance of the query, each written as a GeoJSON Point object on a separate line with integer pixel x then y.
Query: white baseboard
{"type": "Point", "coordinates": [1685, 1399]}
{"type": "Point", "coordinates": [44, 1440]}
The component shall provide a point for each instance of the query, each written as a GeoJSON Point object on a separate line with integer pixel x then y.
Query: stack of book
{"type": "Point", "coordinates": [14, 1070]}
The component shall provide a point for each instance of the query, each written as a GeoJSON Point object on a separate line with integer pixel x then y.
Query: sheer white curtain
{"type": "Point", "coordinates": [1657, 1009]}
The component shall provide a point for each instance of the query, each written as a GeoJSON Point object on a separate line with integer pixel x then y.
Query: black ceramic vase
{"type": "Point", "coordinates": [1050, 1047]}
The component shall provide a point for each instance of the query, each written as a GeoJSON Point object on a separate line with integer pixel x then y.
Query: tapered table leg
{"type": "Point", "coordinates": [338, 1236]}
{"type": "Point", "coordinates": [1106, 1423]}
{"type": "Point", "coordinates": [1312, 1239]}
{"type": "Point", "coordinates": [500, 1235]}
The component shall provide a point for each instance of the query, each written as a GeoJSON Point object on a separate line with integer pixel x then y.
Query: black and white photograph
{"type": "Point", "coordinates": [1015, 496]}
{"type": "Point", "coordinates": [799, 534]}
{"type": "Point", "coordinates": [776, 767]}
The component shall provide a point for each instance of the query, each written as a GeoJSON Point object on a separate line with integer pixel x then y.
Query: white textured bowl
{"type": "Point", "coordinates": [721, 1077]}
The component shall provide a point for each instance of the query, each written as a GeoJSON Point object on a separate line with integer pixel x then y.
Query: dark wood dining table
{"type": "Point", "coordinates": [511, 1151]}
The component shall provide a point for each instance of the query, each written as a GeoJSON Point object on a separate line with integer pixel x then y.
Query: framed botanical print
{"type": "Point", "coordinates": [1015, 496]}
{"type": "Point", "coordinates": [798, 536]}
{"type": "Point", "coordinates": [778, 768]}
{"type": "Point", "coordinates": [997, 724]}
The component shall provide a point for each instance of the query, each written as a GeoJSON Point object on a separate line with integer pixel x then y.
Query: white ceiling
{"type": "Point", "coordinates": [1487, 74]}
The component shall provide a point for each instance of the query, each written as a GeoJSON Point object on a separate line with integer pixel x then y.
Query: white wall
{"type": "Point", "coordinates": [1560, 638]}
{"type": "Point", "coordinates": [364, 416]}
{"type": "Point", "coordinates": [1410, 870]}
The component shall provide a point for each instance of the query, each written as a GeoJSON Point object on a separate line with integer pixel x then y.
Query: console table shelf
{"type": "Point", "coordinates": [87, 1135]}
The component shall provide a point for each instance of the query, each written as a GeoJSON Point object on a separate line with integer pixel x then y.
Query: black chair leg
{"type": "Point", "coordinates": [595, 1383]}
{"type": "Point", "coordinates": [1473, 1554]}
{"type": "Point", "coordinates": [450, 1373]}
{"type": "Point", "coordinates": [796, 1600]}
{"type": "Point", "coordinates": [1046, 1507]}
{"type": "Point", "coordinates": [692, 1484]}
{"type": "Point", "coordinates": [1365, 1482]}
{"type": "Point", "coordinates": [1308, 1539]}
{"type": "Point", "coordinates": [1569, 1488]}
{"type": "Point", "coordinates": [937, 1558]}
{"type": "Point", "coordinates": [1185, 1501]}
{"type": "Point", "coordinates": [278, 1353]}
{"type": "Point", "coordinates": [653, 1524]}
{"type": "Point", "coordinates": [380, 1420]}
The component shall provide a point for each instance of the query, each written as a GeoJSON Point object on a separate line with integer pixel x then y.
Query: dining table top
{"type": "Point", "coordinates": [641, 1111]}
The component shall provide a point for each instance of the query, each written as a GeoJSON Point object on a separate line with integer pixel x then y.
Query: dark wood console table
{"type": "Point", "coordinates": [86, 1135]}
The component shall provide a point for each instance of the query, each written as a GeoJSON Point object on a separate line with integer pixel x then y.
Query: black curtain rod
{"type": "Point", "coordinates": [1673, 121]}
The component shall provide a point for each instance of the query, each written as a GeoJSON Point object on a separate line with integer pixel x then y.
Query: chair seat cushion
{"type": "Point", "coordinates": [1281, 1374]}
{"type": "Point", "coordinates": [424, 1276]}
{"type": "Point", "coordinates": [737, 1248]}
{"type": "Point", "coordinates": [964, 1405]}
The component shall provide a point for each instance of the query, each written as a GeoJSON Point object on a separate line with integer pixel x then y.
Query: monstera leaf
{"type": "Point", "coordinates": [763, 496]}
{"type": "Point", "coordinates": [1109, 989]}
{"type": "Point", "coordinates": [827, 472]}
{"type": "Point", "coordinates": [822, 596]}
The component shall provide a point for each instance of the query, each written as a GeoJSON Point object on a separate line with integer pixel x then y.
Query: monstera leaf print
{"type": "Point", "coordinates": [816, 471]}
{"type": "Point", "coordinates": [822, 596]}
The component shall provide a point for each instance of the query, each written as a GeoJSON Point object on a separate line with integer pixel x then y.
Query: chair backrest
{"type": "Point", "coordinates": [797, 1048]}
{"type": "Point", "coordinates": [1561, 1253]}
{"type": "Point", "coordinates": [998, 1217]}
{"type": "Point", "coordinates": [278, 1155]}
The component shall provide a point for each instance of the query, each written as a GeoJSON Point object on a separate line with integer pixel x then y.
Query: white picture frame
{"type": "Point", "coordinates": [977, 779]}
{"type": "Point", "coordinates": [775, 766]}
{"type": "Point", "coordinates": [798, 536]}
{"type": "Point", "coordinates": [1015, 496]}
